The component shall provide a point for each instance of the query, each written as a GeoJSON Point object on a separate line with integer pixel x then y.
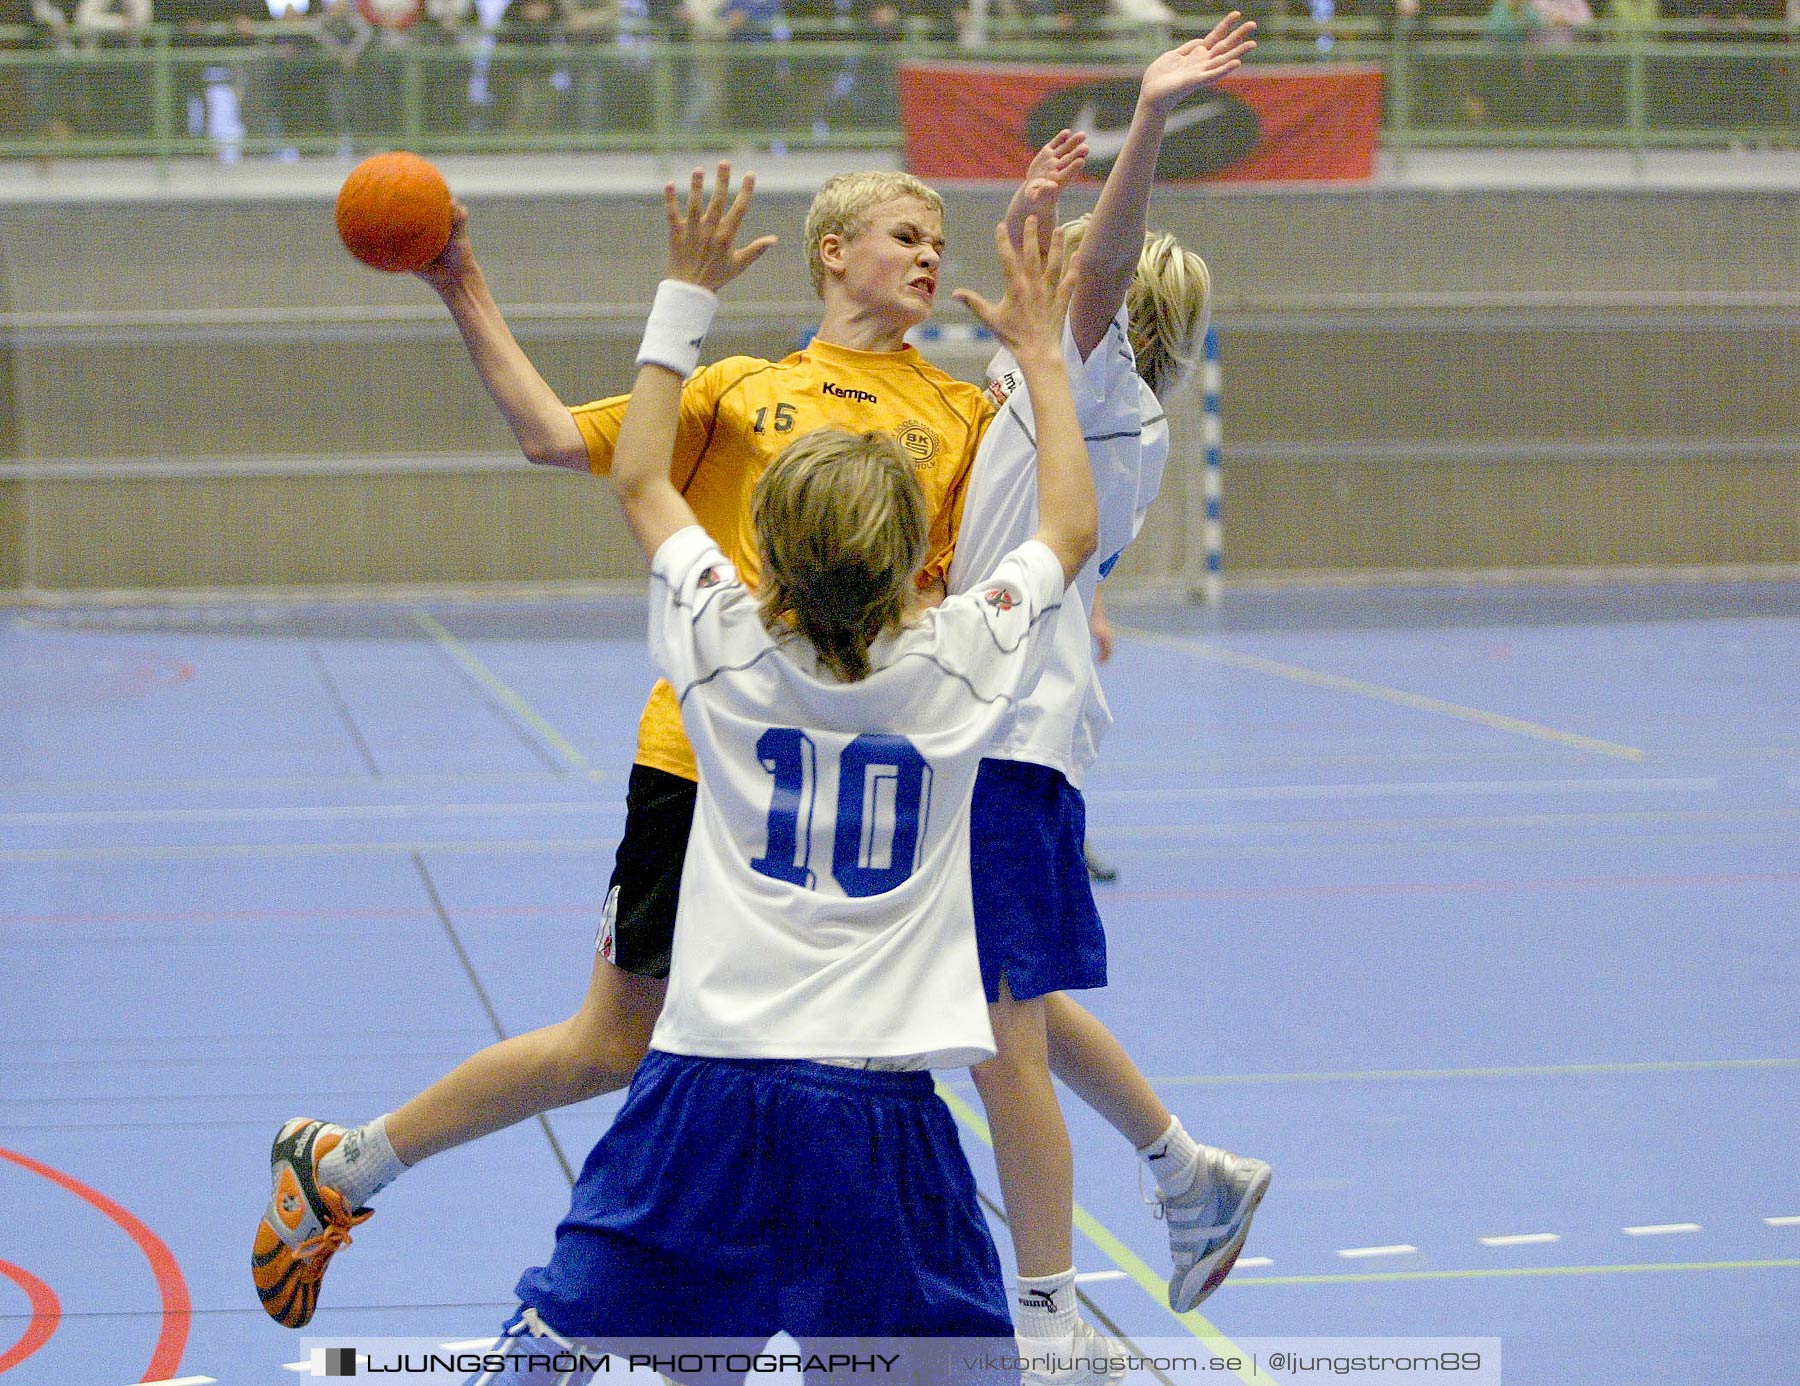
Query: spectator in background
{"type": "Point", "coordinates": [591, 26]}
{"type": "Point", "coordinates": [757, 90]}
{"type": "Point", "coordinates": [531, 84]}
{"type": "Point", "coordinates": [341, 33]}
{"type": "Point", "coordinates": [105, 104]}
{"type": "Point", "coordinates": [380, 68]}
{"type": "Point", "coordinates": [49, 97]}
{"type": "Point", "coordinates": [213, 93]}
{"type": "Point", "coordinates": [1508, 94]}
{"type": "Point", "coordinates": [861, 90]}
{"type": "Point", "coordinates": [450, 34]}
{"type": "Point", "coordinates": [704, 79]}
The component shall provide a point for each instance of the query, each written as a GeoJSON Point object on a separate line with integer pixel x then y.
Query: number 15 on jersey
{"type": "Point", "coordinates": [877, 825]}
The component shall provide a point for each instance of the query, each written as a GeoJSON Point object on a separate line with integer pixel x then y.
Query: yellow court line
{"type": "Point", "coordinates": [1123, 1257]}
{"type": "Point", "coordinates": [476, 669]}
{"type": "Point", "coordinates": [1421, 702]}
{"type": "Point", "coordinates": [1506, 1273]}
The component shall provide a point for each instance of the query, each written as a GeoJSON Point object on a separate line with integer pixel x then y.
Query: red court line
{"type": "Point", "coordinates": [46, 1313]}
{"type": "Point", "coordinates": [1455, 887]}
{"type": "Point", "coordinates": [177, 1307]}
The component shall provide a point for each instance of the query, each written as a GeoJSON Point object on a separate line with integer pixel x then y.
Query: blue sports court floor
{"type": "Point", "coordinates": [1472, 910]}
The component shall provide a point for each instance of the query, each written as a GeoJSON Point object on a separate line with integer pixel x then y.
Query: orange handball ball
{"type": "Point", "coordinates": [393, 212]}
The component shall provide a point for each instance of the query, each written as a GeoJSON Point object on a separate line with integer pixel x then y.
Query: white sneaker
{"type": "Point", "coordinates": [1208, 1223]}
{"type": "Point", "coordinates": [1094, 1360]}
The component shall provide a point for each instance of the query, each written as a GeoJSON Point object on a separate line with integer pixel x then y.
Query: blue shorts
{"type": "Point", "coordinates": [735, 1198]}
{"type": "Point", "coordinates": [1035, 920]}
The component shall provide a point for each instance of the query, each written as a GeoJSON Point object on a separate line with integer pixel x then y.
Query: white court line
{"type": "Point", "coordinates": [1401, 789]}
{"type": "Point", "coordinates": [398, 846]}
{"type": "Point", "coordinates": [1254, 1262]}
{"type": "Point", "coordinates": [187, 1381]}
{"type": "Point", "coordinates": [1420, 702]}
{"type": "Point", "coordinates": [1093, 1277]}
{"type": "Point", "coordinates": [1661, 1229]}
{"type": "Point", "coordinates": [1783, 1222]}
{"type": "Point", "coordinates": [55, 818]}
{"type": "Point", "coordinates": [1358, 1253]}
{"type": "Point", "coordinates": [1521, 1239]}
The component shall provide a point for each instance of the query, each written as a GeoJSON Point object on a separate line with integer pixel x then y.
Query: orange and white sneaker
{"type": "Point", "coordinates": [304, 1224]}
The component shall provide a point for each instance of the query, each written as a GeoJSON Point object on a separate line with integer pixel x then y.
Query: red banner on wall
{"type": "Point", "coordinates": [986, 120]}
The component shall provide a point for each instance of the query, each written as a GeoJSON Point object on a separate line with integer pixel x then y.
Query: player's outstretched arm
{"type": "Point", "coordinates": [1028, 321]}
{"type": "Point", "coordinates": [546, 430]}
{"type": "Point", "coordinates": [1115, 234]}
{"type": "Point", "coordinates": [703, 257]}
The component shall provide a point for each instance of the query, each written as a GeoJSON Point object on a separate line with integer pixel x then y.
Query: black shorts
{"type": "Point", "coordinates": [637, 926]}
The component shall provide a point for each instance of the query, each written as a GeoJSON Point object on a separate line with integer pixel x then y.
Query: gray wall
{"type": "Point", "coordinates": [212, 393]}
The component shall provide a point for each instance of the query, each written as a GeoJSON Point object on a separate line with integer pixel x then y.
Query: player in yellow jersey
{"type": "Point", "coordinates": [874, 241]}
{"type": "Point", "coordinates": [874, 244]}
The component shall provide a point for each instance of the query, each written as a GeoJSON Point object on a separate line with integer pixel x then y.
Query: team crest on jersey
{"type": "Point", "coordinates": [1000, 598]}
{"type": "Point", "coordinates": [710, 578]}
{"type": "Point", "coordinates": [920, 442]}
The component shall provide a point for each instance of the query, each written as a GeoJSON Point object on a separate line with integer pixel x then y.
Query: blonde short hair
{"type": "Point", "coordinates": [842, 525]}
{"type": "Point", "coordinates": [1168, 305]}
{"type": "Point", "coordinates": [845, 200]}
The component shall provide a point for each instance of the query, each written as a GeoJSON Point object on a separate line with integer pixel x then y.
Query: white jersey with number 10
{"type": "Point", "coordinates": [825, 903]}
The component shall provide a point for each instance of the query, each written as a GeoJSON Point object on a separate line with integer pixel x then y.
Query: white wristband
{"type": "Point", "coordinates": [678, 322]}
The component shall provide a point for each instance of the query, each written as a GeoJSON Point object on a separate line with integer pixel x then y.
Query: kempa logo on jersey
{"type": "Point", "coordinates": [839, 392]}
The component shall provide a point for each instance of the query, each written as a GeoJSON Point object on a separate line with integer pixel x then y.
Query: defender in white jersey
{"type": "Point", "coordinates": [746, 1187]}
{"type": "Point", "coordinates": [805, 819]}
{"type": "Point", "coordinates": [1038, 931]}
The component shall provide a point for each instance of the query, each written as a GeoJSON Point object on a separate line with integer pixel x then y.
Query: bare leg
{"type": "Point", "coordinates": [1031, 1143]}
{"type": "Point", "coordinates": [1084, 1054]}
{"type": "Point", "coordinates": [594, 1051]}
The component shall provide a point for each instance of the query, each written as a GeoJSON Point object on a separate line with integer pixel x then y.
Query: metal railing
{"type": "Point", "coordinates": [273, 89]}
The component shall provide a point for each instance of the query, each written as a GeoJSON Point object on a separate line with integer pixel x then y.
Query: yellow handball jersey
{"type": "Point", "coordinates": [736, 417]}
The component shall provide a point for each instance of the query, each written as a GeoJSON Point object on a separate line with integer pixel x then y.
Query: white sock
{"type": "Point", "coordinates": [1172, 1157]}
{"type": "Point", "coordinates": [1044, 1311]}
{"type": "Point", "coordinates": [362, 1165]}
